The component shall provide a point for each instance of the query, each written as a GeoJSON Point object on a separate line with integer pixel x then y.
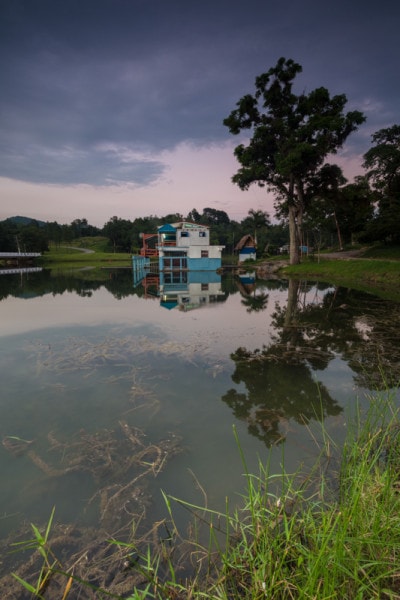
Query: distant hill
{"type": "Point", "coordinates": [24, 221]}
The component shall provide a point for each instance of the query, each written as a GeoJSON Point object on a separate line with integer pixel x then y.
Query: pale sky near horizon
{"type": "Point", "coordinates": [115, 107]}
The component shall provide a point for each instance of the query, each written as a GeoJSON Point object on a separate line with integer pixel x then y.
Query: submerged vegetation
{"type": "Point", "coordinates": [121, 461]}
{"type": "Point", "coordinates": [332, 531]}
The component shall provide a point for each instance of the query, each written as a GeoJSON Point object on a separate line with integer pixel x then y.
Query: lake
{"type": "Point", "coordinates": [115, 390]}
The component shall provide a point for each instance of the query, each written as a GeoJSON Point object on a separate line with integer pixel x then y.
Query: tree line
{"type": "Point", "coordinates": [124, 235]}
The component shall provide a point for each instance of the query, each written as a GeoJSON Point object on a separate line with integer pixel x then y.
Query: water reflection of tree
{"type": "Point", "coordinates": [29, 285]}
{"type": "Point", "coordinates": [299, 334]}
{"type": "Point", "coordinates": [256, 302]}
{"type": "Point", "coordinates": [277, 391]}
{"type": "Point", "coordinates": [252, 298]}
{"type": "Point", "coordinates": [279, 379]}
{"type": "Point", "coordinates": [317, 323]}
{"type": "Point", "coordinates": [360, 328]}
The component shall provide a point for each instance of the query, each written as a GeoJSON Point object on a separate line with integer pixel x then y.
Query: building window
{"type": "Point", "coordinates": [177, 253]}
{"type": "Point", "coordinates": [204, 287]}
{"type": "Point", "coordinates": [174, 263]}
{"type": "Point", "coordinates": [184, 234]}
{"type": "Point", "coordinates": [202, 234]}
{"type": "Point", "coordinates": [204, 254]}
{"type": "Point", "coordinates": [175, 277]}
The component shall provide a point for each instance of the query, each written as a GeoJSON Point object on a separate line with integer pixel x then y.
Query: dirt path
{"type": "Point", "coordinates": [85, 250]}
{"type": "Point", "coordinates": [344, 254]}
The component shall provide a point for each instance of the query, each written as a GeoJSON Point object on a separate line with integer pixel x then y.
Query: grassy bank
{"type": "Point", "coordinates": [379, 276]}
{"type": "Point", "coordinates": [323, 533]}
{"type": "Point", "coordinates": [85, 253]}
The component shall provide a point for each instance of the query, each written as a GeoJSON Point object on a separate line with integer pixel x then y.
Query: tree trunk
{"type": "Point", "coordinates": [290, 333]}
{"type": "Point", "coordinates": [299, 215]}
{"type": "Point", "coordinates": [293, 234]}
{"type": "Point", "coordinates": [292, 304]}
{"type": "Point", "coordinates": [293, 237]}
{"type": "Point", "coordinates": [338, 231]}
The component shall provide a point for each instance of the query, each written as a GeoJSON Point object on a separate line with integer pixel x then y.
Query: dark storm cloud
{"type": "Point", "coordinates": [92, 89]}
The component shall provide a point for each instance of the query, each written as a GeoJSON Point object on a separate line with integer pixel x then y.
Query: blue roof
{"type": "Point", "coordinates": [167, 228]}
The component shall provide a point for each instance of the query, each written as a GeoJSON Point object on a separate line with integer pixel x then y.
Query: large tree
{"type": "Point", "coordinates": [291, 137]}
{"type": "Point", "coordinates": [383, 164]}
{"type": "Point", "coordinates": [324, 196]}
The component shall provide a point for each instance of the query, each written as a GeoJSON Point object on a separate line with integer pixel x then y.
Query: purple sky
{"type": "Point", "coordinates": [115, 107]}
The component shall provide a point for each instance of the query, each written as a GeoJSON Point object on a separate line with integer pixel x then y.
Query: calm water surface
{"type": "Point", "coordinates": [116, 387]}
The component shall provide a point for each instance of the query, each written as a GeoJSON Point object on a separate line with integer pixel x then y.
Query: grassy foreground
{"type": "Point", "coordinates": [324, 535]}
{"type": "Point", "coordinates": [320, 534]}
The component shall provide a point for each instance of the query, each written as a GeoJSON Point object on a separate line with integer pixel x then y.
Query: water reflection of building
{"type": "Point", "coordinates": [184, 290]}
{"type": "Point", "coordinates": [189, 289]}
{"type": "Point", "coordinates": [246, 283]}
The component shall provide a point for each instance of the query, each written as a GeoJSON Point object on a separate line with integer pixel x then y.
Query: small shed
{"type": "Point", "coordinates": [246, 248]}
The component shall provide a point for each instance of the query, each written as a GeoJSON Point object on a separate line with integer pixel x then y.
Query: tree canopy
{"type": "Point", "coordinates": [291, 137]}
{"type": "Point", "coordinates": [382, 162]}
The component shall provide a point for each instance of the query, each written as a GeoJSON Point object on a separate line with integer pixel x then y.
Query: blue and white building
{"type": "Point", "coordinates": [186, 245]}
